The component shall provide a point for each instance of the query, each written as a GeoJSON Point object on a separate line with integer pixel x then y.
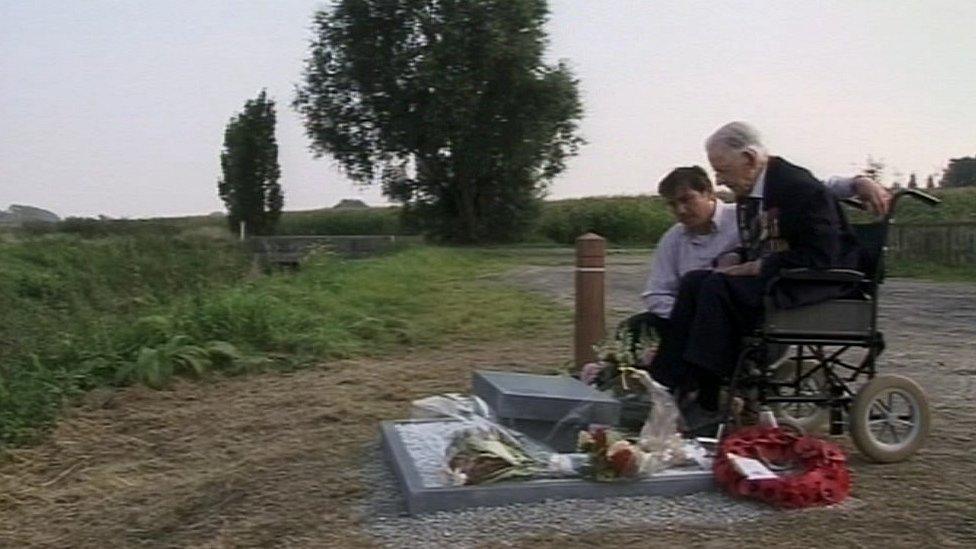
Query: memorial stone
{"type": "Point", "coordinates": [549, 409]}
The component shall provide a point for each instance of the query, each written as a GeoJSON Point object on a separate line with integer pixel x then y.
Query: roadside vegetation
{"type": "Point", "coordinates": [624, 220]}
{"type": "Point", "coordinates": [84, 313]}
{"type": "Point", "coordinates": [366, 221]}
{"type": "Point", "coordinates": [72, 308]}
{"type": "Point", "coordinates": [928, 270]}
{"type": "Point", "coordinates": [91, 303]}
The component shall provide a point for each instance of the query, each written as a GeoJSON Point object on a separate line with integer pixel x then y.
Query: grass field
{"type": "Point", "coordinates": [931, 271]}
{"type": "Point", "coordinates": [85, 313]}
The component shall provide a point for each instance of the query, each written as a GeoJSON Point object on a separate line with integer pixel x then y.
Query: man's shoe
{"type": "Point", "coordinates": [699, 422]}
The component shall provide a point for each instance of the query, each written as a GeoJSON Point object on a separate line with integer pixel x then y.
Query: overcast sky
{"type": "Point", "coordinates": [119, 108]}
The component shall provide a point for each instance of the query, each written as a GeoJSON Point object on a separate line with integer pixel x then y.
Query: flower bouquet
{"type": "Point", "coordinates": [483, 454]}
{"type": "Point", "coordinates": [658, 445]}
{"type": "Point", "coordinates": [615, 356]}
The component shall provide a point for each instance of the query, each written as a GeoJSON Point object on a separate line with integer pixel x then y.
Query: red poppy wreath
{"type": "Point", "coordinates": [812, 472]}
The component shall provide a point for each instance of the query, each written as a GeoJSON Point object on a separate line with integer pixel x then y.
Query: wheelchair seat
{"type": "Point", "coordinates": [835, 319]}
{"type": "Point", "coordinates": [850, 318]}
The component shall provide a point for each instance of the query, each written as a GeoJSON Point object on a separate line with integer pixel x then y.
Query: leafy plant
{"type": "Point", "coordinates": [156, 366]}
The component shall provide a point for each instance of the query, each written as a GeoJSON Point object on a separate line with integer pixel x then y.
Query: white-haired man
{"type": "Point", "coordinates": [705, 229]}
{"type": "Point", "coordinates": [786, 219]}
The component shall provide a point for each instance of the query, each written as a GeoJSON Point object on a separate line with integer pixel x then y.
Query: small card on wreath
{"type": "Point", "coordinates": [750, 468]}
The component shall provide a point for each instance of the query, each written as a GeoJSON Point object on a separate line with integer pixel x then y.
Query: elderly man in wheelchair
{"type": "Point", "coordinates": [807, 281]}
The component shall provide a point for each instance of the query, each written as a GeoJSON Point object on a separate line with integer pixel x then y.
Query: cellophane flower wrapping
{"type": "Point", "coordinates": [658, 447]}
{"type": "Point", "coordinates": [484, 453]}
{"type": "Point", "coordinates": [659, 438]}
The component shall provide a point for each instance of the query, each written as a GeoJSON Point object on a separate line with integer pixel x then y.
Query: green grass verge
{"type": "Point", "coordinates": [623, 220]}
{"type": "Point", "coordinates": [120, 317]}
{"type": "Point", "coordinates": [931, 271]}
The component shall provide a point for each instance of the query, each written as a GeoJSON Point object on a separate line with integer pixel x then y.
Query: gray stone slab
{"type": "Point", "coordinates": [421, 498]}
{"type": "Point", "coordinates": [549, 409]}
{"type": "Point", "coordinates": [544, 398]}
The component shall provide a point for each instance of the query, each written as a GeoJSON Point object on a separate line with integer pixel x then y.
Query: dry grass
{"type": "Point", "coordinates": [265, 460]}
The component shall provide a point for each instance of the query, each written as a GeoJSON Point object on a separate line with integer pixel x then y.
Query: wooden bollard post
{"type": "Point", "coordinates": [591, 252]}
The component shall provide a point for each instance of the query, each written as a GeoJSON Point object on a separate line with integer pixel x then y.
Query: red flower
{"type": "Point", "coordinates": [749, 434]}
{"type": "Point", "coordinates": [799, 496]}
{"type": "Point", "coordinates": [749, 488]}
{"type": "Point", "coordinates": [843, 480]}
{"type": "Point", "coordinates": [599, 436]}
{"type": "Point", "coordinates": [781, 438]}
{"type": "Point", "coordinates": [812, 479]}
{"type": "Point", "coordinates": [833, 453]}
{"type": "Point", "coordinates": [807, 448]}
{"type": "Point", "coordinates": [831, 493]}
{"type": "Point", "coordinates": [725, 474]}
{"type": "Point", "coordinates": [771, 491]}
{"type": "Point", "coordinates": [623, 459]}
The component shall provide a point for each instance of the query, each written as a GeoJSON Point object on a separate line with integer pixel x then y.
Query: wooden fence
{"type": "Point", "coordinates": [950, 243]}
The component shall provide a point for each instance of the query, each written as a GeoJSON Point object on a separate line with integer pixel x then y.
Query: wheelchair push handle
{"type": "Point", "coordinates": [918, 195]}
{"type": "Point", "coordinates": [914, 193]}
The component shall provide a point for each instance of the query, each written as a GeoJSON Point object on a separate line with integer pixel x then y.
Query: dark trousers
{"type": "Point", "coordinates": [711, 314]}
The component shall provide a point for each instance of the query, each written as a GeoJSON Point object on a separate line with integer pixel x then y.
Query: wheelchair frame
{"type": "Point", "coordinates": [794, 327]}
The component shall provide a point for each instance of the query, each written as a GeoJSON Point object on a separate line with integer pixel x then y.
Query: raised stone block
{"type": "Point", "coordinates": [550, 409]}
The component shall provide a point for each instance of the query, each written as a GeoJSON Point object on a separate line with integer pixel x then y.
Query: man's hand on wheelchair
{"type": "Point", "coordinates": [749, 268]}
{"type": "Point", "coordinates": [876, 197]}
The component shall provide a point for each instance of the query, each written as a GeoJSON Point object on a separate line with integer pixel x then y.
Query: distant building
{"type": "Point", "coordinates": [18, 214]}
{"type": "Point", "coordinates": [350, 204]}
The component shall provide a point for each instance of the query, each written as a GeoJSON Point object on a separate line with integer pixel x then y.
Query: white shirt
{"type": "Point", "coordinates": [680, 250]}
{"type": "Point", "coordinates": [760, 186]}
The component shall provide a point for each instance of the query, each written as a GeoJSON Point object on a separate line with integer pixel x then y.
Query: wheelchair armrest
{"type": "Point", "coordinates": [827, 275]}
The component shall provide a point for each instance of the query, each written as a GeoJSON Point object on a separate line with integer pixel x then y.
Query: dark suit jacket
{"type": "Point", "coordinates": [804, 227]}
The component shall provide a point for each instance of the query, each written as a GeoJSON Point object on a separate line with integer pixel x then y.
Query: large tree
{"type": "Point", "coordinates": [249, 162]}
{"type": "Point", "coordinates": [447, 104]}
{"type": "Point", "coordinates": [960, 173]}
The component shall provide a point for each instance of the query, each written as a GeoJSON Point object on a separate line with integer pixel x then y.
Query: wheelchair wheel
{"type": "Point", "coordinates": [807, 415]}
{"type": "Point", "coordinates": [890, 418]}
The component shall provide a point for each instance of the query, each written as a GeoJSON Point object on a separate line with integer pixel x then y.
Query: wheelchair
{"type": "Point", "coordinates": [797, 362]}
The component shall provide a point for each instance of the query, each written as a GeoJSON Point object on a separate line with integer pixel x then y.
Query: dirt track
{"type": "Point", "coordinates": [271, 459]}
